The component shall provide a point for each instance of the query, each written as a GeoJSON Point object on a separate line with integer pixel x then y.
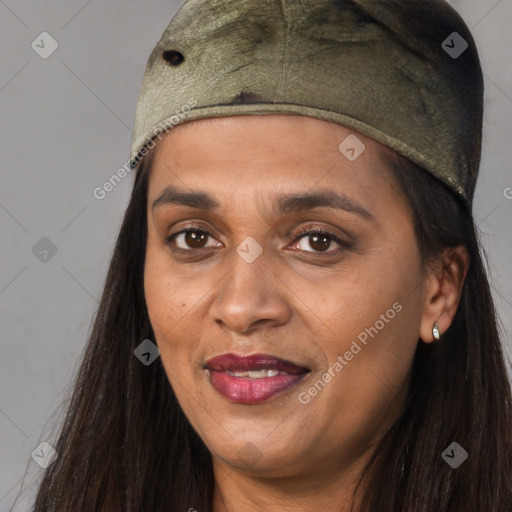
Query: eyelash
{"type": "Point", "coordinates": [306, 231]}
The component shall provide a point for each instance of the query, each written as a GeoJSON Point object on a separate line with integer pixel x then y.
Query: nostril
{"type": "Point", "coordinates": [173, 57]}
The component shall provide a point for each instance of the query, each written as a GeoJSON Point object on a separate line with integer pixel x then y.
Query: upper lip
{"type": "Point", "coordinates": [254, 362]}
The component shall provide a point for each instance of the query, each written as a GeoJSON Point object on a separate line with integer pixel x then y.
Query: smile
{"type": "Point", "coordinates": [253, 379]}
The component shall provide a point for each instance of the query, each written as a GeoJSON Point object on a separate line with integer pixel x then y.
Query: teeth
{"type": "Point", "coordinates": [257, 374]}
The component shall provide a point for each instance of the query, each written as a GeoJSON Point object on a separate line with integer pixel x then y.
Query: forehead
{"type": "Point", "coordinates": [234, 154]}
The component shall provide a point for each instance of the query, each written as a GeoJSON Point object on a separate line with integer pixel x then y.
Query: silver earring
{"type": "Point", "coordinates": [435, 332]}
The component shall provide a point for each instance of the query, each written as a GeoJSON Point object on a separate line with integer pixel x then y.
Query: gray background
{"type": "Point", "coordinates": [66, 128]}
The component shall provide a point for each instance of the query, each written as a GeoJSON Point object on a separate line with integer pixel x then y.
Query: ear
{"type": "Point", "coordinates": [444, 284]}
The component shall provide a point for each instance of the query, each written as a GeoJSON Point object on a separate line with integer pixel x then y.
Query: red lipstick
{"type": "Point", "coordinates": [253, 379]}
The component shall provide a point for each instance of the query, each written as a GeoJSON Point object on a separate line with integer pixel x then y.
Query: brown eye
{"type": "Point", "coordinates": [319, 242]}
{"type": "Point", "coordinates": [195, 239]}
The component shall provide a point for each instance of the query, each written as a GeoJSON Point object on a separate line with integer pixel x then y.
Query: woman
{"type": "Point", "coordinates": [297, 315]}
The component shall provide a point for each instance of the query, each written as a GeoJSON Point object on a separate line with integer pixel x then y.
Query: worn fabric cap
{"type": "Point", "coordinates": [403, 72]}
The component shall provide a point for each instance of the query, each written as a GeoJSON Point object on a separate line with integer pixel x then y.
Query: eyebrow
{"type": "Point", "coordinates": [289, 203]}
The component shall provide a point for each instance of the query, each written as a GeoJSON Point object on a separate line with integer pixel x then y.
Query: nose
{"type": "Point", "coordinates": [251, 296]}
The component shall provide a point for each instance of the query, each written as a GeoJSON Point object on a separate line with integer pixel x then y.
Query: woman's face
{"type": "Point", "coordinates": [248, 274]}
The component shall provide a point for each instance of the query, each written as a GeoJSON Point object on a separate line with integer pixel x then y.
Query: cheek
{"type": "Point", "coordinates": [378, 298]}
{"type": "Point", "coordinates": [371, 319]}
{"type": "Point", "coordinates": [166, 302]}
{"type": "Point", "coordinates": [175, 306]}
{"type": "Point", "coordinates": [369, 351]}
{"type": "Point", "coordinates": [173, 303]}
{"type": "Point", "coordinates": [162, 301]}
{"type": "Point", "coordinates": [362, 389]}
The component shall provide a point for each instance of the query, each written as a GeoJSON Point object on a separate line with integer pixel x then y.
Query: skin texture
{"type": "Point", "coordinates": [300, 300]}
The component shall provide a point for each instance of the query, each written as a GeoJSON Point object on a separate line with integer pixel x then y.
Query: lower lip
{"type": "Point", "coordinates": [242, 390]}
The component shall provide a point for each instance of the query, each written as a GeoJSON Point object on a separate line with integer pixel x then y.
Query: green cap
{"type": "Point", "coordinates": [405, 73]}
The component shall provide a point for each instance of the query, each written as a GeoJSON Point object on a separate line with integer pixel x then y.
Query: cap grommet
{"type": "Point", "coordinates": [173, 57]}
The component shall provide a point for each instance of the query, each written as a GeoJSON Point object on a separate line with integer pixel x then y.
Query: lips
{"type": "Point", "coordinates": [255, 362]}
{"type": "Point", "coordinates": [253, 379]}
